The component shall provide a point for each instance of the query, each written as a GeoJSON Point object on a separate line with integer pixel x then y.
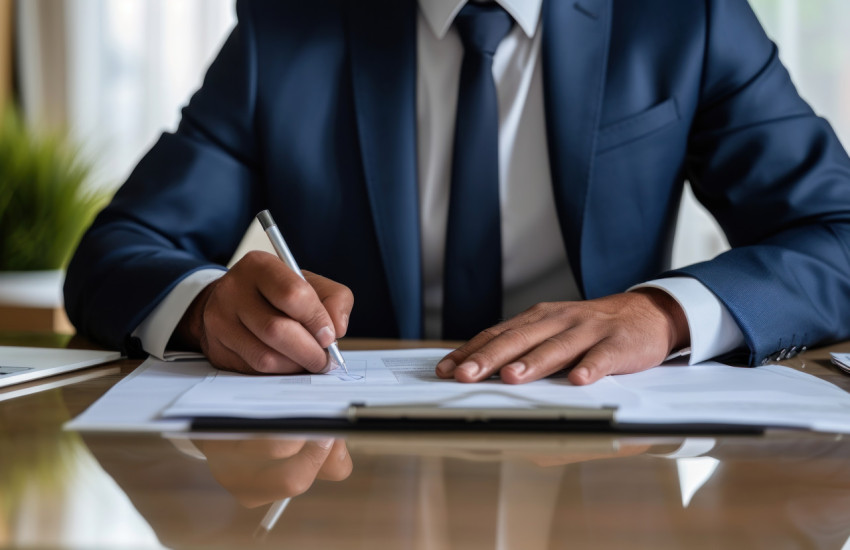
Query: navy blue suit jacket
{"type": "Point", "coordinates": [310, 110]}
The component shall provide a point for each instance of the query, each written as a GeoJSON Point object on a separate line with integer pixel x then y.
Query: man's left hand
{"type": "Point", "coordinates": [617, 334]}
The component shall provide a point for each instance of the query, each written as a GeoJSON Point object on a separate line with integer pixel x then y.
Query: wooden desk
{"type": "Point", "coordinates": [413, 490]}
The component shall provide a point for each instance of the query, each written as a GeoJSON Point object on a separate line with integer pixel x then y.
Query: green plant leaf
{"type": "Point", "coordinates": [46, 201]}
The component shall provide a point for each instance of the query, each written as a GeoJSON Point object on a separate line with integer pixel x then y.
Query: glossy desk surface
{"type": "Point", "coordinates": [411, 490]}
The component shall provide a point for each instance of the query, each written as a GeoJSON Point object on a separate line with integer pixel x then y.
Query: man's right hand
{"type": "Point", "coordinates": [262, 470]}
{"type": "Point", "coordinates": [261, 317]}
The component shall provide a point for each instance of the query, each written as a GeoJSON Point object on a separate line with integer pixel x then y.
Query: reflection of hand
{"type": "Point", "coordinates": [617, 334]}
{"type": "Point", "coordinates": [259, 471]}
{"type": "Point", "coordinates": [262, 317]}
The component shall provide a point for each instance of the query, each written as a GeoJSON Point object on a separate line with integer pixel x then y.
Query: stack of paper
{"type": "Point", "coordinates": [170, 395]}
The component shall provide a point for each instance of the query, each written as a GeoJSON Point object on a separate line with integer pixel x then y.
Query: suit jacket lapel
{"type": "Point", "coordinates": [383, 64]}
{"type": "Point", "coordinates": [575, 52]}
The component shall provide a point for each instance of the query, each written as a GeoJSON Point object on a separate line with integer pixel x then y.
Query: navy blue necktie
{"type": "Point", "coordinates": [472, 280]}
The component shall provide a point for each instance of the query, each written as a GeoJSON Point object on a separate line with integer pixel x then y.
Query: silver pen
{"type": "Point", "coordinates": [270, 519]}
{"type": "Point", "coordinates": [275, 236]}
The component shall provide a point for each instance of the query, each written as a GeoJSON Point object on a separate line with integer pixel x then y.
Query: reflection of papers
{"type": "Point", "coordinates": [167, 395]}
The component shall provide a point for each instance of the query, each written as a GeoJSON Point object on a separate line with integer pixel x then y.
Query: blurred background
{"type": "Point", "coordinates": [111, 75]}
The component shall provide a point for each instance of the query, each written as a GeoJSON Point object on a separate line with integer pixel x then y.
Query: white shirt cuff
{"type": "Point", "coordinates": [712, 328]}
{"type": "Point", "coordinates": [156, 330]}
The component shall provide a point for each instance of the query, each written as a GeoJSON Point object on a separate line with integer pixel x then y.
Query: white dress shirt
{"type": "Point", "coordinates": [535, 266]}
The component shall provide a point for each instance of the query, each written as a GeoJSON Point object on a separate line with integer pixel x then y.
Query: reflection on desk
{"type": "Point", "coordinates": [413, 490]}
{"type": "Point", "coordinates": [590, 491]}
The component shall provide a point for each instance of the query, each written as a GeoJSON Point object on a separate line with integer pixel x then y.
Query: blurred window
{"type": "Point", "coordinates": [116, 72]}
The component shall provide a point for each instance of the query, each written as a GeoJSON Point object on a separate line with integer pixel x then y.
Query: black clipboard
{"type": "Point", "coordinates": [429, 418]}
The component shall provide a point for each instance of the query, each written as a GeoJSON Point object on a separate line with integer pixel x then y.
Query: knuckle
{"type": "Point", "coordinates": [592, 317]}
{"type": "Point", "coordinates": [517, 336]}
{"type": "Point", "coordinates": [274, 330]}
{"type": "Point", "coordinates": [295, 485]}
{"type": "Point", "coordinates": [281, 449]}
{"type": "Point", "coordinates": [295, 291]}
{"type": "Point", "coordinates": [315, 457]}
{"type": "Point", "coordinates": [492, 332]}
{"type": "Point", "coordinates": [347, 294]}
{"type": "Point", "coordinates": [251, 259]}
{"type": "Point", "coordinates": [561, 350]}
{"type": "Point", "coordinates": [536, 312]}
{"type": "Point", "coordinates": [265, 362]}
{"type": "Point", "coordinates": [317, 319]}
{"type": "Point", "coordinates": [252, 256]}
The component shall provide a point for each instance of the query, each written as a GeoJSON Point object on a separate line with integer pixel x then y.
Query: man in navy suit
{"type": "Point", "coordinates": [350, 121]}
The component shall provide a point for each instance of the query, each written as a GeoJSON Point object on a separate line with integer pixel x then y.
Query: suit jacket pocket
{"type": "Point", "coordinates": [637, 126]}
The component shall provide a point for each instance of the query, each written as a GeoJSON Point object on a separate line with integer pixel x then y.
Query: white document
{"type": "Point", "coordinates": [711, 393]}
{"type": "Point", "coordinates": [166, 396]}
{"type": "Point", "coordinates": [135, 403]}
{"type": "Point", "coordinates": [397, 377]}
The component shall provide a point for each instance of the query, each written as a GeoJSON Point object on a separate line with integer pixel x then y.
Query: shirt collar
{"type": "Point", "coordinates": [441, 13]}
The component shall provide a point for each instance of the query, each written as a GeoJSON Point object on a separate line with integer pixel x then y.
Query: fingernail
{"type": "Point", "coordinates": [325, 337]}
{"type": "Point", "coordinates": [345, 321]}
{"type": "Point", "coordinates": [582, 373]}
{"type": "Point", "coordinates": [446, 367]}
{"type": "Point", "coordinates": [517, 368]}
{"type": "Point", "coordinates": [325, 442]}
{"type": "Point", "coordinates": [470, 368]}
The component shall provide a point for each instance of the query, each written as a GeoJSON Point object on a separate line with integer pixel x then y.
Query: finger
{"type": "Point", "coordinates": [550, 356]}
{"type": "Point", "coordinates": [447, 366]}
{"type": "Point", "coordinates": [224, 358]}
{"type": "Point", "coordinates": [337, 299]}
{"type": "Point", "coordinates": [296, 298]}
{"type": "Point", "coordinates": [270, 448]}
{"type": "Point", "coordinates": [505, 349]}
{"type": "Point", "coordinates": [602, 360]}
{"type": "Point", "coordinates": [285, 336]}
{"type": "Point", "coordinates": [338, 465]}
{"type": "Point", "coordinates": [249, 450]}
{"type": "Point", "coordinates": [295, 475]}
{"type": "Point", "coordinates": [255, 355]}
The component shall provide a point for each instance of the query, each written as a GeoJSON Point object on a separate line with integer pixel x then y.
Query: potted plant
{"type": "Point", "coordinates": [46, 203]}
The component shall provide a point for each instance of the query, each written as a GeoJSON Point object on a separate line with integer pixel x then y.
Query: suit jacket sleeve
{"type": "Point", "coordinates": [184, 207]}
{"type": "Point", "coordinates": [777, 179]}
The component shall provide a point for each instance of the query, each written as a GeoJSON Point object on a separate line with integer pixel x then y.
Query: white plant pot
{"type": "Point", "coordinates": [41, 289]}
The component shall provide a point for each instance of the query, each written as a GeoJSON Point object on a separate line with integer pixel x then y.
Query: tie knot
{"type": "Point", "coordinates": [482, 27]}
